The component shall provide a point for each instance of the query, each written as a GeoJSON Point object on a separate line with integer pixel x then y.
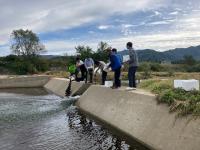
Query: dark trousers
{"type": "Point", "coordinates": [117, 74]}
{"type": "Point", "coordinates": [131, 76]}
{"type": "Point", "coordinates": [103, 77]}
{"type": "Point", "coordinates": [83, 71]}
{"type": "Point", "coordinates": [90, 72]}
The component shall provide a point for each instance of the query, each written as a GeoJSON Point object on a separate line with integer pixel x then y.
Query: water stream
{"type": "Point", "coordinates": [33, 119]}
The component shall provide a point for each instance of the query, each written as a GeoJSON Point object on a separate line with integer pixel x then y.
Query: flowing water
{"type": "Point", "coordinates": [33, 119]}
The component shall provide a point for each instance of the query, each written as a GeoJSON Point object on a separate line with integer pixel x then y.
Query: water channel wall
{"type": "Point", "coordinates": [135, 114]}
{"type": "Point", "coordinates": [59, 85]}
{"type": "Point", "coordinates": [139, 116]}
{"type": "Point", "coordinates": [23, 81]}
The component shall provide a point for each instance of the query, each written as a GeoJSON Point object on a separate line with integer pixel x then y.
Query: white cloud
{"type": "Point", "coordinates": [157, 13]}
{"type": "Point", "coordinates": [160, 42]}
{"type": "Point", "coordinates": [128, 25]}
{"type": "Point", "coordinates": [52, 15]}
{"type": "Point", "coordinates": [174, 13]}
{"type": "Point", "coordinates": [158, 23]}
{"type": "Point", "coordinates": [104, 27]}
{"type": "Point", "coordinates": [67, 46]}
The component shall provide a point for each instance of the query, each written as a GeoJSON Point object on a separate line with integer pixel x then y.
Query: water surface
{"type": "Point", "coordinates": [33, 119]}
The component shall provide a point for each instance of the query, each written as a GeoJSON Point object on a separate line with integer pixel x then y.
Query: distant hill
{"type": "Point", "coordinates": [49, 56]}
{"type": "Point", "coordinates": [170, 55]}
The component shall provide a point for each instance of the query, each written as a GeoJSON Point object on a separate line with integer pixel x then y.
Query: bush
{"type": "Point", "coordinates": [23, 65]}
{"type": "Point", "coordinates": [156, 67]}
{"type": "Point", "coordinates": [179, 100]}
{"type": "Point", "coordinates": [146, 70]}
{"type": "Point", "coordinates": [166, 97]}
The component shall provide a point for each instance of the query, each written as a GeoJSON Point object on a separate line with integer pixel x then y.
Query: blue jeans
{"type": "Point", "coordinates": [131, 76]}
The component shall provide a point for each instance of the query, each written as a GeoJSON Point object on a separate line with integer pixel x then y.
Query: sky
{"type": "Point", "coordinates": [63, 24]}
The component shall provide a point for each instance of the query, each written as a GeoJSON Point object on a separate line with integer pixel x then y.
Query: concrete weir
{"type": "Point", "coordinates": [135, 113]}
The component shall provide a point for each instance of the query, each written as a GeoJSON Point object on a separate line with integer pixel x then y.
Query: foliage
{"type": "Point", "coordinates": [26, 43]}
{"type": "Point", "coordinates": [146, 68]}
{"type": "Point", "coordinates": [179, 100]}
{"type": "Point", "coordinates": [189, 60]}
{"type": "Point", "coordinates": [24, 65]}
{"type": "Point", "coordinates": [100, 54]}
{"type": "Point", "coordinates": [84, 51]}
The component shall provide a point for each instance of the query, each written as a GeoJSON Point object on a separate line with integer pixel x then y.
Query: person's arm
{"type": "Point", "coordinates": [92, 63]}
{"type": "Point", "coordinates": [97, 70]}
{"type": "Point", "coordinates": [111, 61]}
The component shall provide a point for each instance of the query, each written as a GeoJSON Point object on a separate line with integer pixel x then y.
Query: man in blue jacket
{"type": "Point", "coordinates": [115, 65]}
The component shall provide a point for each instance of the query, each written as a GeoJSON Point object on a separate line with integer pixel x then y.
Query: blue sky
{"type": "Point", "coordinates": [61, 25]}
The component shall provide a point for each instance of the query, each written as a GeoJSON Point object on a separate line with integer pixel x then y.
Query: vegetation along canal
{"type": "Point", "coordinates": [33, 119]}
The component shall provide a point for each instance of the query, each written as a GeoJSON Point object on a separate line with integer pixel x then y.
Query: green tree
{"type": "Point", "coordinates": [84, 51]}
{"type": "Point", "coordinates": [102, 46]}
{"type": "Point", "coordinates": [101, 53]}
{"type": "Point", "coordinates": [26, 43]}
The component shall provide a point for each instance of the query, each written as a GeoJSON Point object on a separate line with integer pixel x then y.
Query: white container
{"type": "Point", "coordinates": [108, 83]}
{"type": "Point", "coordinates": [187, 85]}
{"type": "Point", "coordinates": [126, 58]}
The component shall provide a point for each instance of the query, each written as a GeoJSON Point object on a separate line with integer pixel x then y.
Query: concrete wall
{"type": "Point", "coordinates": [59, 85]}
{"type": "Point", "coordinates": [23, 81]}
{"type": "Point", "coordinates": [139, 116]}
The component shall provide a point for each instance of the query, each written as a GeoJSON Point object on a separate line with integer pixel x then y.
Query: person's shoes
{"type": "Point", "coordinates": [114, 87]}
{"type": "Point", "coordinates": [130, 88]}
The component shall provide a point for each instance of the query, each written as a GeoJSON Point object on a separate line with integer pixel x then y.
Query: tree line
{"type": "Point", "coordinates": [26, 57]}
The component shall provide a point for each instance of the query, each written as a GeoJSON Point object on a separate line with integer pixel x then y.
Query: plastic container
{"type": "Point", "coordinates": [108, 83]}
{"type": "Point", "coordinates": [187, 85]}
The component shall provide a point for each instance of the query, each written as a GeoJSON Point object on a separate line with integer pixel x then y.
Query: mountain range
{"type": "Point", "coordinates": [170, 55]}
{"type": "Point", "coordinates": [156, 56]}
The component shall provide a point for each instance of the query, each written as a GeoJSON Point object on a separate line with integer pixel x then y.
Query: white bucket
{"type": "Point", "coordinates": [108, 83]}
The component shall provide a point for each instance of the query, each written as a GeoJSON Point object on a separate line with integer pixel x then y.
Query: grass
{"type": "Point", "coordinates": [180, 101]}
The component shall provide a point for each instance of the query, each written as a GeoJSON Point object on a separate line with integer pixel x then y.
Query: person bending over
{"type": "Point", "coordinates": [101, 66]}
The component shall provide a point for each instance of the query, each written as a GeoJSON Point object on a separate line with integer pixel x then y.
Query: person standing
{"type": "Point", "coordinates": [115, 64]}
{"type": "Point", "coordinates": [114, 50]}
{"type": "Point", "coordinates": [89, 65]}
{"type": "Point", "coordinates": [133, 65]}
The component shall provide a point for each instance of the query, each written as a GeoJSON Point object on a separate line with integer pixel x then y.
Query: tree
{"type": "Point", "coordinates": [26, 43]}
{"type": "Point", "coordinates": [101, 53]}
{"type": "Point", "coordinates": [84, 51]}
{"type": "Point", "coordinates": [102, 46]}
